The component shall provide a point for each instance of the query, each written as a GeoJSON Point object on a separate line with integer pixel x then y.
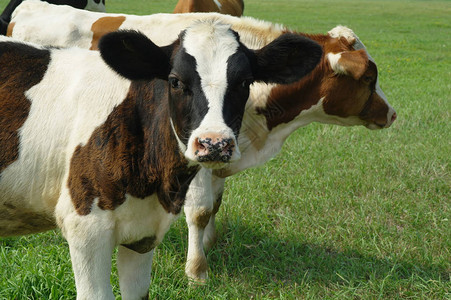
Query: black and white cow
{"type": "Point", "coordinates": [108, 158]}
{"type": "Point", "coordinates": [92, 5]}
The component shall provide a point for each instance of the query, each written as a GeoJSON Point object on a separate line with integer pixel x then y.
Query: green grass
{"type": "Point", "coordinates": [341, 212]}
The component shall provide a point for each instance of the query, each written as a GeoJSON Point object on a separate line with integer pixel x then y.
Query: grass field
{"type": "Point", "coordinates": [340, 213]}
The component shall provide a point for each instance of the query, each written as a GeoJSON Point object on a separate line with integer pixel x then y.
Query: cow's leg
{"type": "Point", "coordinates": [134, 273]}
{"type": "Point", "coordinates": [210, 230]}
{"type": "Point", "coordinates": [91, 244]}
{"type": "Point", "coordinates": [198, 208]}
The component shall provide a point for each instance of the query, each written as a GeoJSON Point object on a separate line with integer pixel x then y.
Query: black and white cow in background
{"type": "Point", "coordinates": [92, 5]}
{"type": "Point", "coordinates": [108, 158]}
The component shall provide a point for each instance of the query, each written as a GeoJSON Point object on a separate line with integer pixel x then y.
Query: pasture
{"type": "Point", "coordinates": [341, 212]}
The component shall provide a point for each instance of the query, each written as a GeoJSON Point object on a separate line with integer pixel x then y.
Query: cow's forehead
{"type": "Point", "coordinates": [211, 44]}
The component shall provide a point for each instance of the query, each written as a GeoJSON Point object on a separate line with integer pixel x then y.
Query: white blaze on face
{"type": "Point", "coordinates": [211, 44]}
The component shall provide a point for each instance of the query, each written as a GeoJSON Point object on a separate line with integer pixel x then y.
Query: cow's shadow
{"type": "Point", "coordinates": [244, 252]}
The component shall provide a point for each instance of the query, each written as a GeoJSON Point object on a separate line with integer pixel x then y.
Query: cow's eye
{"type": "Point", "coordinates": [245, 84]}
{"type": "Point", "coordinates": [367, 79]}
{"type": "Point", "coordinates": [175, 83]}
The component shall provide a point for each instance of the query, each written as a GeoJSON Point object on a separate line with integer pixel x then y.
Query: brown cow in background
{"type": "Point", "coordinates": [227, 7]}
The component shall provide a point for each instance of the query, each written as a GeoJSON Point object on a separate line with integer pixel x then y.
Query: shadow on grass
{"type": "Point", "coordinates": [245, 252]}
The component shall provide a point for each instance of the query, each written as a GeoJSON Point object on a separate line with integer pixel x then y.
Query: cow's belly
{"type": "Point", "coordinates": [27, 202]}
{"type": "Point", "coordinates": [16, 220]}
{"type": "Point", "coordinates": [142, 223]}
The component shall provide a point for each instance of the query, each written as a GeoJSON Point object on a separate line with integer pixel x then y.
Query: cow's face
{"type": "Point", "coordinates": [208, 89]}
{"type": "Point", "coordinates": [209, 72]}
{"type": "Point", "coordinates": [352, 93]}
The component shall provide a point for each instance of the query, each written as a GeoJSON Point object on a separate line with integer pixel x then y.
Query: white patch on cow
{"type": "Point", "coordinates": [93, 237]}
{"type": "Point", "coordinates": [333, 59]}
{"type": "Point", "coordinates": [137, 218]}
{"type": "Point", "coordinates": [59, 25]}
{"type": "Point", "coordinates": [342, 31]}
{"type": "Point", "coordinates": [134, 270]}
{"type": "Point", "coordinates": [60, 118]}
{"type": "Point", "coordinates": [91, 243]}
{"type": "Point", "coordinates": [199, 200]}
{"type": "Point", "coordinates": [211, 47]}
{"type": "Point", "coordinates": [64, 26]}
{"type": "Point", "coordinates": [218, 4]}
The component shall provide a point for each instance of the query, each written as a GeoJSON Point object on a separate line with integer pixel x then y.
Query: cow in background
{"type": "Point", "coordinates": [227, 7]}
{"type": "Point", "coordinates": [92, 5]}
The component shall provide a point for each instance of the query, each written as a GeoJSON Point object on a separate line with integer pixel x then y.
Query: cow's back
{"type": "Point", "coordinates": [56, 25]}
{"type": "Point", "coordinates": [50, 102]}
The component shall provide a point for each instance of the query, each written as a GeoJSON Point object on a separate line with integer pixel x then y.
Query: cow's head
{"type": "Point", "coordinates": [208, 72]}
{"type": "Point", "coordinates": [353, 95]}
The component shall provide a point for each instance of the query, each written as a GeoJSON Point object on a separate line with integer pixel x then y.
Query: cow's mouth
{"type": "Point", "coordinates": [213, 164]}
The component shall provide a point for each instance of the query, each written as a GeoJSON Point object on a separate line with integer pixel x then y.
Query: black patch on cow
{"type": "Point", "coordinates": [80, 4]}
{"type": "Point", "coordinates": [287, 59]}
{"type": "Point", "coordinates": [188, 104]}
{"type": "Point", "coordinates": [134, 56]}
{"type": "Point", "coordinates": [5, 17]}
{"type": "Point", "coordinates": [21, 67]}
{"type": "Point", "coordinates": [239, 78]}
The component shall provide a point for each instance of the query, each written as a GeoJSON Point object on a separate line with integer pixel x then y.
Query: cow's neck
{"type": "Point", "coordinates": [134, 152]}
{"type": "Point", "coordinates": [286, 103]}
{"type": "Point", "coordinates": [274, 112]}
{"type": "Point", "coordinates": [165, 165]}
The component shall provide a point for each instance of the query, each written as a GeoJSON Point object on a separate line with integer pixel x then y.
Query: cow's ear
{"type": "Point", "coordinates": [286, 59]}
{"type": "Point", "coordinates": [352, 63]}
{"type": "Point", "coordinates": [134, 56]}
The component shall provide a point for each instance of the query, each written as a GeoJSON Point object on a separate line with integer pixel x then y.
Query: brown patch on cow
{"type": "Point", "coordinates": [202, 217]}
{"type": "Point", "coordinates": [187, 6]}
{"type": "Point", "coordinates": [228, 7]}
{"type": "Point", "coordinates": [286, 102]}
{"type": "Point", "coordinates": [354, 63]}
{"type": "Point", "coordinates": [198, 266]}
{"type": "Point", "coordinates": [103, 26]}
{"type": "Point", "coordinates": [348, 97]}
{"type": "Point", "coordinates": [21, 67]}
{"type": "Point", "coordinates": [344, 95]}
{"type": "Point", "coordinates": [143, 246]}
{"type": "Point", "coordinates": [134, 152]}
{"type": "Point", "coordinates": [9, 30]}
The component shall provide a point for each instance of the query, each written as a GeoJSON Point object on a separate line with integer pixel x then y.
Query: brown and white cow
{"type": "Point", "coordinates": [107, 154]}
{"type": "Point", "coordinates": [228, 7]}
{"type": "Point", "coordinates": [343, 89]}
{"type": "Point", "coordinates": [92, 5]}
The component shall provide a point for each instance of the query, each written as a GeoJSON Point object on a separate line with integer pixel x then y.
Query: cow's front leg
{"type": "Point", "coordinates": [198, 208]}
{"type": "Point", "coordinates": [134, 273]}
{"type": "Point", "coordinates": [91, 244]}
{"type": "Point", "coordinates": [210, 230]}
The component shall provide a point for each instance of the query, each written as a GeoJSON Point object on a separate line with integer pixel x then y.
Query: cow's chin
{"type": "Point", "coordinates": [213, 164]}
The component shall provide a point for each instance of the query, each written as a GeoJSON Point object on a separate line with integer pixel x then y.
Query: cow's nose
{"type": "Point", "coordinates": [213, 148]}
{"type": "Point", "coordinates": [393, 117]}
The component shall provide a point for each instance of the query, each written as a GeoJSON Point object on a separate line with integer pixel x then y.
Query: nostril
{"type": "Point", "coordinates": [227, 147]}
{"type": "Point", "coordinates": [201, 146]}
{"type": "Point", "coordinates": [393, 117]}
